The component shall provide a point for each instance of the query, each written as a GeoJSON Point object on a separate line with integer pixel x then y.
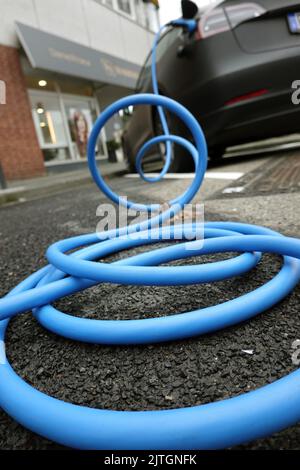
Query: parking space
{"type": "Point", "coordinates": [191, 372]}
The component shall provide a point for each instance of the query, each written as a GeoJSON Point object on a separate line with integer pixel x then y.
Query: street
{"type": "Point", "coordinates": [258, 189]}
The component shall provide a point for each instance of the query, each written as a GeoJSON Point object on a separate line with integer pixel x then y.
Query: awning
{"type": "Point", "coordinates": [49, 52]}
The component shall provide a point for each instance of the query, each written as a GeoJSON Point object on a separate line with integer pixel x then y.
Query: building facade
{"type": "Point", "coordinates": [61, 62]}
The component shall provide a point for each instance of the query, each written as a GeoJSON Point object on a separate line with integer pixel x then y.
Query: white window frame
{"type": "Point", "coordinates": [131, 15]}
{"type": "Point", "coordinates": [37, 94]}
{"type": "Point", "coordinates": [115, 6]}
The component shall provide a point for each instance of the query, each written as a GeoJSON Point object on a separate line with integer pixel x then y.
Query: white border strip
{"type": "Point", "coordinates": [234, 175]}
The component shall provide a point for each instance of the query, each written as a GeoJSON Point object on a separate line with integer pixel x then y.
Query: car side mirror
{"type": "Point", "coordinates": [189, 9]}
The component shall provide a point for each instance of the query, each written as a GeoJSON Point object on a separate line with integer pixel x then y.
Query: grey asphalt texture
{"type": "Point", "coordinates": [151, 377]}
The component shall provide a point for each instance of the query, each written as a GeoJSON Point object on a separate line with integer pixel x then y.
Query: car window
{"type": "Point", "coordinates": [165, 42]}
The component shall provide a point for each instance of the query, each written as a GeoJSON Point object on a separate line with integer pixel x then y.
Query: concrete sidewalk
{"type": "Point", "coordinates": [52, 184]}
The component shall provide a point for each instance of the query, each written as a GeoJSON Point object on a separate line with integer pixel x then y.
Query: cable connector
{"type": "Point", "coordinates": [190, 25]}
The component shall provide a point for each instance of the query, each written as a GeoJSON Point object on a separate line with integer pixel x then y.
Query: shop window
{"type": "Point", "coordinates": [50, 122]}
{"type": "Point", "coordinates": [49, 125]}
{"type": "Point", "coordinates": [81, 114]}
{"type": "Point", "coordinates": [63, 124]}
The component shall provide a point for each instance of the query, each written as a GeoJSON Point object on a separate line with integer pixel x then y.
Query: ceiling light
{"type": "Point", "coordinates": [42, 83]}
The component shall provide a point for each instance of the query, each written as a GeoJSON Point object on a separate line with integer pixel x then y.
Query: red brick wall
{"type": "Point", "coordinates": [20, 154]}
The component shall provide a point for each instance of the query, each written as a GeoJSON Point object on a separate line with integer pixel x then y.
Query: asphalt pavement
{"type": "Point", "coordinates": [151, 377]}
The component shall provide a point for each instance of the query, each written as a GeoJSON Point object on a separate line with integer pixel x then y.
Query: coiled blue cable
{"type": "Point", "coordinates": [212, 426]}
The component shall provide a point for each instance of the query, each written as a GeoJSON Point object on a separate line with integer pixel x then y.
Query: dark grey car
{"type": "Point", "coordinates": [234, 74]}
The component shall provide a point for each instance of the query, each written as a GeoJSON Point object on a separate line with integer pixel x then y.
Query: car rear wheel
{"type": "Point", "coordinates": [216, 153]}
{"type": "Point", "coordinates": [181, 160]}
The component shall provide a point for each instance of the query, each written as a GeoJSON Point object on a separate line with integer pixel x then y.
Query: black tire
{"type": "Point", "coordinates": [131, 167]}
{"type": "Point", "coordinates": [129, 162]}
{"type": "Point", "coordinates": [216, 154]}
{"type": "Point", "coordinates": [181, 160]}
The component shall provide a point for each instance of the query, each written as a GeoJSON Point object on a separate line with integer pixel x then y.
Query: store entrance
{"type": "Point", "coordinates": [63, 124]}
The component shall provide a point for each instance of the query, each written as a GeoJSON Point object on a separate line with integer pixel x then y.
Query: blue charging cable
{"type": "Point", "coordinates": [212, 426]}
